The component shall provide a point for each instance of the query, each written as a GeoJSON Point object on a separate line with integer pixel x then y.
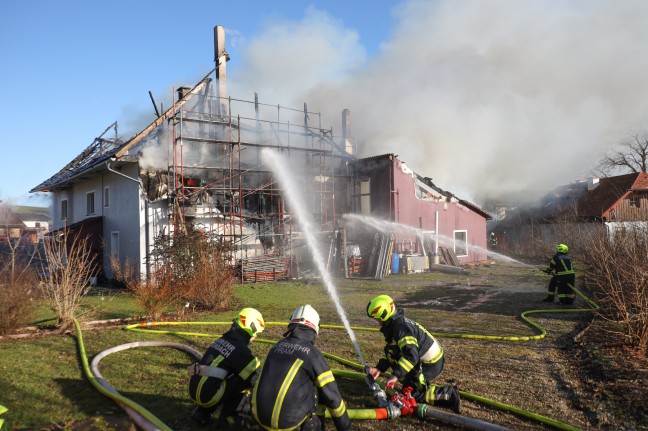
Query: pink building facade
{"type": "Point", "coordinates": [392, 191]}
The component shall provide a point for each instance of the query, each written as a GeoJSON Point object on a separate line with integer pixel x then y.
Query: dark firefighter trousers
{"type": "Point", "coordinates": [563, 284]}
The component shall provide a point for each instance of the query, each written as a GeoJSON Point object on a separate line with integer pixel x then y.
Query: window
{"type": "Point", "coordinates": [461, 242]}
{"type": "Point", "coordinates": [106, 197]}
{"type": "Point", "coordinates": [114, 243]}
{"type": "Point", "coordinates": [634, 201]}
{"type": "Point", "coordinates": [90, 203]}
{"type": "Point", "coordinates": [365, 197]}
{"type": "Point", "coordinates": [64, 209]}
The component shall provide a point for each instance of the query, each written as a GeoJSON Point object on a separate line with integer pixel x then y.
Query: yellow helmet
{"type": "Point", "coordinates": [250, 320]}
{"type": "Point", "coordinates": [562, 248]}
{"type": "Point", "coordinates": [381, 307]}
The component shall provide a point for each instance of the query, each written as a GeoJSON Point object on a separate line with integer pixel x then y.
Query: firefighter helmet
{"type": "Point", "coordinates": [251, 321]}
{"type": "Point", "coordinates": [306, 315]}
{"type": "Point", "coordinates": [381, 307]}
{"type": "Point", "coordinates": [562, 248]}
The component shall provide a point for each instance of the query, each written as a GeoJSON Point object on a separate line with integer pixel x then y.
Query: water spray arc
{"type": "Point", "coordinates": [282, 171]}
{"type": "Point", "coordinates": [393, 227]}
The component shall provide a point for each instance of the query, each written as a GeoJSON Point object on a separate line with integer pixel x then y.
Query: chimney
{"type": "Point", "coordinates": [346, 131]}
{"type": "Point", "coordinates": [592, 183]}
{"type": "Point", "coordinates": [183, 91]}
{"type": "Point", "coordinates": [221, 57]}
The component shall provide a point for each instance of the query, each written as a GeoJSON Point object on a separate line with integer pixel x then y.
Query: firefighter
{"type": "Point", "coordinates": [225, 371]}
{"type": "Point", "coordinates": [564, 277]}
{"type": "Point", "coordinates": [493, 241]}
{"type": "Point", "coordinates": [294, 378]}
{"type": "Point", "coordinates": [414, 355]}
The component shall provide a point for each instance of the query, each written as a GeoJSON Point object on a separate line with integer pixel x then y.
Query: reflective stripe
{"type": "Point", "coordinates": [217, 397]}
{"type": "Point", "coordinates": [433, 354]}
{"type": "Point", "coordinates": [203, 379]}
{"type": "Point", "coordinates": [429, 394]}
{"type": "Point", "coordinates": [407, 340]}
{"type": "Point", "coordinates": [324, 379]}
{"type": "Point", "coordinates": [339, 411]}
{"type": "Point", "coordinates": [566, 270]}
{"type": "Point", "coordinates": [254, 396]}
{"type": "Point", "coordinates": [251, 367]}
{"type": "Point", "coordinates": [283, 390]}
{"type": "Point", "coordinates": [405, 364]}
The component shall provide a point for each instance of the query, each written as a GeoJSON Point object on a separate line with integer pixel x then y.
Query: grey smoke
{"type": "Point", "coordinates": [485, 97]}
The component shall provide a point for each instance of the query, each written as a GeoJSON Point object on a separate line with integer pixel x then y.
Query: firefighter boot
{"type": "Point", "coordinates": [201, 416]}
{"type": "Point", "coordinates": [444, 396]}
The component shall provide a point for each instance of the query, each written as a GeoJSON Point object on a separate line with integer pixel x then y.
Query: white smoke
{"type": "Point", "coordinates": [485, 97]}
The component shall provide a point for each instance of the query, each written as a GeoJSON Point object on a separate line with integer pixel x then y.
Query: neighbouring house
{"type": "Point", "coordinates": [200, 164]}
{"type": "Point", "coordinates": [36, 220]}
{"type": "Point", "coordinates": [27, 224]}
{"type": "Point", "coordinates": [604, 204]}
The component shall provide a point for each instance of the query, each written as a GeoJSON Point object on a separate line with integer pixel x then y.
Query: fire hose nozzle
{"type": "Point", "coordinates": [377, 392]}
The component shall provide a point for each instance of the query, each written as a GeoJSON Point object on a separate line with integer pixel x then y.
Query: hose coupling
{"type": "Point", "coordinates": [421, 411]}
{"type": "Point", "coordinates": [393, 412]}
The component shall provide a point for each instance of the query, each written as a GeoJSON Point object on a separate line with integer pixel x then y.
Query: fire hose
{"type": "Point", "coordinates": [3, 409]}
{"type": "Point", "coordinates": [398, 405]}
{"type": "Point", "coordinates": [406, 408]}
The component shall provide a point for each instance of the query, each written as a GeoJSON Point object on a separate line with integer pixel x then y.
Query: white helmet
{"type": "Point", "coordinates": [306, 315]}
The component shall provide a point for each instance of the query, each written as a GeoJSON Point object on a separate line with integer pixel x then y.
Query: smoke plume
{"type": "Point", "coordinates": [486, 97]}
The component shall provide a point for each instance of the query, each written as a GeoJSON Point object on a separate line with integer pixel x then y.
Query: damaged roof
{"type": "Point", "coordinates": [428, 182]}
{"type": "Point", "coordinates": [103, 149]}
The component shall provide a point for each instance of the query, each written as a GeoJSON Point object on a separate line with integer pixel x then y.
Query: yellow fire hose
{"type": "Point", "coordinates": [3, 409]}
{"type": "Point", "coordinates": [145, 417]}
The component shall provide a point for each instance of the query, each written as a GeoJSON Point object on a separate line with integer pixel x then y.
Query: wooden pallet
{"type": "Point", "coordinates": [449, 256]}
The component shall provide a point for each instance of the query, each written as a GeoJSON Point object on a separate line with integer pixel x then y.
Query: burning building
{"type": "Point", "coordinates": [200, 164]}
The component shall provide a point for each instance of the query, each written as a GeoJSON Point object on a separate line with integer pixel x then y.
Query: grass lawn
{"type": "Point", "coordinates": [42, 381]}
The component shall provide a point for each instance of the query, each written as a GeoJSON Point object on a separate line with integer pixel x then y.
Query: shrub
{"type": "Point", "coordinates": [191, 268]}
{"type": "Point", "coordinates": [156, 294]}
{"type": "Point", "coordinates": [210, 285]}
{"type": "Point", "coordinates": [65, 274]}
{"type": "Point", "coordinates": [17, 293]}
{"type": "Point", "coordinates": [615, 267]}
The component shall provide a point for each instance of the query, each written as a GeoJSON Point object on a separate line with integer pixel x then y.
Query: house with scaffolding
{"type": "Point", "coordinates": [200, 164]}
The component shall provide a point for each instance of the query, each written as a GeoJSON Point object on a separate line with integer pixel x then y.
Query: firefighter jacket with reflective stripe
{"type": "Point", "coordinates": [230, 353]}
{"type": "Point", "coordinates": [293, 374]}
{"type": "Point", "coordinates": [408, 344]}
{"type": "Point", "coordinates": [561, 264]}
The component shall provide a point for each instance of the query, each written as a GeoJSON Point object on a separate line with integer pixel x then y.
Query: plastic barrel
{"type": "Point", "coordinates": [395, 263]}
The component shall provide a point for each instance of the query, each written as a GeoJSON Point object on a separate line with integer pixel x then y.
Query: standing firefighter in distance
{"type": "Point", "coordinates": [294, 378]}
{"type": "Point", "coordinates": [564, 276]}
{"type": "Point", "coordinates": [226, 370]}
{"type": "Point", "coordinates": [492, 240]}
{"type": "Point", "coordinates": [413, 354]}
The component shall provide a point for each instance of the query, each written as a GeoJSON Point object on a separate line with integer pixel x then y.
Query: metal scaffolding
{"type": "Point", "coordinates": [218, 181]}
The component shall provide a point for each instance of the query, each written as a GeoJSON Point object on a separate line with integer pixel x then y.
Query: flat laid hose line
{"type": "Point", "coordinates": [3, 409]}
{"type": "Point", "coordinates": [146, 327]}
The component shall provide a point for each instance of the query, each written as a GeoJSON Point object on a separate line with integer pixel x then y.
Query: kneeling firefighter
{"type": "Point", "coordinates": [294, 378]}
{"type": "Point", "coordinates": [564, 277]}
{"type": "Point", "coordinates": [226, 370]}
{"type": "Point", "coordinates": [413, 354]}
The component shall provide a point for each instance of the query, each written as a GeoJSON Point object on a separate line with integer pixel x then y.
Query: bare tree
{"type": "Point", "coordinates": [69, 264]}
{"type": "Point", "coordinates": [631, 156]}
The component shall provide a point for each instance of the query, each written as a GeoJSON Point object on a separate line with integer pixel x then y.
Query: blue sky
{"type": "Point", "coordinates": [485, 97]}
{"type": "Point", "coordinates": [72, 68]}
